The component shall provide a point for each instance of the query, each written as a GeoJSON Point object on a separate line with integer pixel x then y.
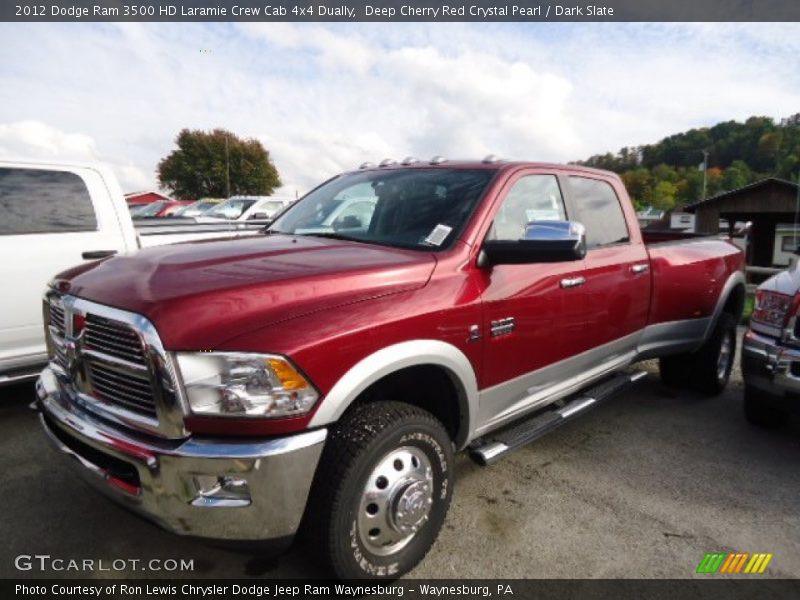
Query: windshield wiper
{"type": "Point", "coordinates": [332, 235]}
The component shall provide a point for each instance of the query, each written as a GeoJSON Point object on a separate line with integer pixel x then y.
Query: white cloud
{"type": "Point", "coordinates": [35, 139]}
{"type": "Point", "coordinates": [326, 98]}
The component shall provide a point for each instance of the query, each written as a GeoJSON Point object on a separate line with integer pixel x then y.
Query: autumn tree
{"type": "Point", "coordinates": [217, 164]}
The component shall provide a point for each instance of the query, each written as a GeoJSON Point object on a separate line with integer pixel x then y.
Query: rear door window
{"type": "Point", "coordinates": [39, 201]}
{"type": "Point", "coordinates": [600, 212]}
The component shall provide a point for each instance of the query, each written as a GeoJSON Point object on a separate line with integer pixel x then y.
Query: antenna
{"type": "Point", "coordinates": [227, 167]}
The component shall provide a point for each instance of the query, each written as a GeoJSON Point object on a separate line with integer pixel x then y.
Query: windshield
{"type": "Point", "coordinates": [271, 207]}
{"type": "Point", "coordinates": [409, 208]}
{"type": "Point", "coordinates": [230, 209]}
{"type": "Point", "coordinates": [150, 210]}
{"type": "Point", "coordinates": [196, 208]}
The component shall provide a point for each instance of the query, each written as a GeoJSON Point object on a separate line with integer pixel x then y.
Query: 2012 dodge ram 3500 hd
{"type": "Point", "coordinates": [232, 389]}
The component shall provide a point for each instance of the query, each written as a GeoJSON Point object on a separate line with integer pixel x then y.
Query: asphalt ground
{"type": "Point", "coordinates": [641, 487]}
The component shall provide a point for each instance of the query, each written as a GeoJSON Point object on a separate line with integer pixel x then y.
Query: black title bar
{"type": "Point", "coordinates": [397, 11]}
{"type": "Point", "coordinates": [708, 588]}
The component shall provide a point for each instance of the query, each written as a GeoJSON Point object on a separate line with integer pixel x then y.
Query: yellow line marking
{"type": "Point", "coordinates": [757, 563]}
{"type": "Point", "coordinates": [765, 563]}
{"type": "Point", "coordinates": [752, 562]}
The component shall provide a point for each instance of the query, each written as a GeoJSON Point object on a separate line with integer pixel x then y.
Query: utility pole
{"type": "Point", "coordinates": [796, 214]}
{"type": "Point", "coordinates": [705, 171]}
{"type": "Point", "coordinates": [227, 168]}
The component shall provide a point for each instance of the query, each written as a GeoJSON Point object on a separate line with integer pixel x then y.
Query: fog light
{"type": "Point", "coordinates": [222, 491]}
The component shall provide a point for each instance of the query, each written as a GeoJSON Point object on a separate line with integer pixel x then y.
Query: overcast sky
{"type": "Point", "coordinates": [323, 99]}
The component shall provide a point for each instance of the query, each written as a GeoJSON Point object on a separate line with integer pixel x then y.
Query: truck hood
{"type": "Point", "coordinates": [201, 294]}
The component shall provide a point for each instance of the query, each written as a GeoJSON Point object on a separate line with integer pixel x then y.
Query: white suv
{"type": "Point", "coordinates": [244, 208]}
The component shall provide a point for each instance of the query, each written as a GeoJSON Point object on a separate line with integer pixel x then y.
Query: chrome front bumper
{"type": "Point", "coordinates": [249, 490]}
{"type": "Point", "coordinates": [770, 367]}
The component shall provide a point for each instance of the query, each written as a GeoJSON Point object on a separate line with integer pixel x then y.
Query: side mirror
{"type": "Point", "coordinates": [543, 242]}
{"type": "Point", "coordinates": [258, 216]}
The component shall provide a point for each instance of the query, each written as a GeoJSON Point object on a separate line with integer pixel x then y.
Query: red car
{"type": "Point", "coordinates": [225, 389]}
{"type": "Point", "coordinates": [159, 208]}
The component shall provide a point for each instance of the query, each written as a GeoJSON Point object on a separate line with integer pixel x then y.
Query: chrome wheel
{"type": "Point", "coordinates": [724, 358]}
{"type": "Point", "coordinates": [396, 500]}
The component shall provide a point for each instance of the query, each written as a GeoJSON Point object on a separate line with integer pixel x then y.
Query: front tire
{"type": "Point", "coordinates": [382, 491]}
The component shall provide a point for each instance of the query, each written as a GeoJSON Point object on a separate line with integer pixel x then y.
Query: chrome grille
{"type": "Point", "coordinates": [123, 388]}
{"type": "Point", "coordinates": [58, 319]}
{"type": "Point", "coordinates": [114, 364]}
{"type": "Point", "coordinates": [114, 338]}
{"type": "Point", "coordinates": [57, 329]}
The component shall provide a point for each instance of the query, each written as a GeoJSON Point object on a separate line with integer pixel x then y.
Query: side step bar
{"type": "Point", "coordinates": [497, 444]}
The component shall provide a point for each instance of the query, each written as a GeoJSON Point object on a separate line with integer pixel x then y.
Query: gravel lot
{"type": "Point", "coordinates": [643, 486]}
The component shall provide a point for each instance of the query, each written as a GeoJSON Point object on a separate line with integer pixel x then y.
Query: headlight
{"type": "Point", "coordinates": [244, 385]}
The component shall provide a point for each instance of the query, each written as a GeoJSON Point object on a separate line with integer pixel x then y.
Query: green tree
{"type": "Point", "coordinates": [662, 195]}
{"type": "Point", "coordinates": [217, 164]}
{"type": "Point", "coordinates": [736, 176]}
{"type": "Point", "coordinates": [638, 182]}
{"type": "Point", "coordinates": [768, 152]}
{"type": "Point", "coordinates": [690, 186]}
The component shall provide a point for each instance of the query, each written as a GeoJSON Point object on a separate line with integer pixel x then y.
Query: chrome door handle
{"type": "Point", "coordinates": [570, 282]}
{"type": "Point", "coordinates": [640, 268]}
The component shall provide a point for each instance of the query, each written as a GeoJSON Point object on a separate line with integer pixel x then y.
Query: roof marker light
{"type": "Point", "coordinates": [366, 165]}
{"type": "Point", "coordinates": [409, 160]}
{"type": "Point", "coordinates": [437, 160]}
{"type": "Point", "coordinates": [387, 162]}
{"type": "Point", "coordinates": [492, 158]}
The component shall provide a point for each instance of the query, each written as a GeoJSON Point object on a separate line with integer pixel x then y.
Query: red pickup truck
{"type": "Point", "coordinates": [322, 376]}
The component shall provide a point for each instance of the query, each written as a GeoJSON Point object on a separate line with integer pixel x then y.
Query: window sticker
{"type": "Point", "coordinates": [438, 235]}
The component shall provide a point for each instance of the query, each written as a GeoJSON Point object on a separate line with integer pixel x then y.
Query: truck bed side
{"type": "Point", "coordinates": [693, 277]}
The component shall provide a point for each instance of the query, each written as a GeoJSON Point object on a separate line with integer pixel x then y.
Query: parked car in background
{"type": "Point", "coordinates": [55, 216]}
{"type": "Point", "coordinates": [243, 208]}
{"type": "Point", "coordinates": [197, 208]}
{"type": "Point", "coordinates": [326, 378]}
{"type": "Point", "coordinates": [771, 351]}
{"type": "Point", "coordinates": [145, 197]}
{"type": "Point", "coordinates": [349, 215]}
{"type": "Point", "coordinates": [159, 208]}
